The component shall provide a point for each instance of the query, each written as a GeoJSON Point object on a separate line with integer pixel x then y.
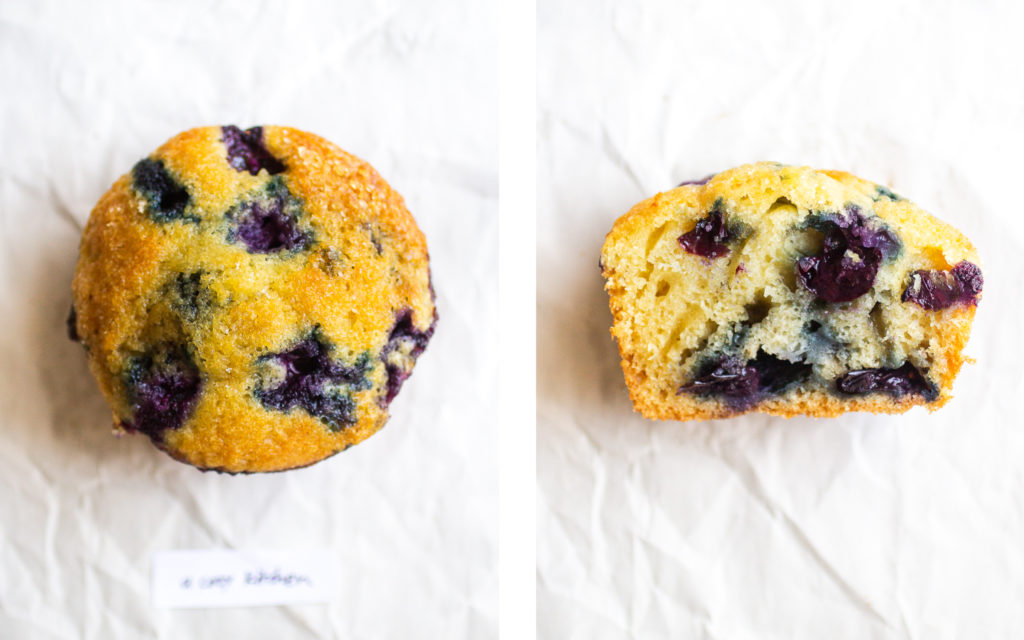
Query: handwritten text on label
{"type": "Point", "coordinates": [229, 578]}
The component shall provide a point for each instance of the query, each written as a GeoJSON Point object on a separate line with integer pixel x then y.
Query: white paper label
{"type": "Point", "coordinates": [244, 578]}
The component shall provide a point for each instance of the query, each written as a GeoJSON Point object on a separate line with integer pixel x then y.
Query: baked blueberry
{"type": "Point", "coordinates": [162, 388]}
{"type": "Point", "coordinates": [936, 289]}
{"type": "Point", "coordinates": [744, 384]}
{"type": "Point", "coordinates": [165, 196]}
{"type": "Point", "coordinates": [897, 382]}
{"type": "Point", "coordinates": [710, 237]}
{"type": "Point", "coordinates": [854, 246]}
{"type": "Point", "coordinates": [246, 151]}
{"type": "Point", "coordinates": [776, 375]}
{"type": "Point", "coordinates": [404, 346]}
{"type": "Point", "coordinates": [726, 376]}
{"type": "Point", "coordinates": [316, 382]}
{"type": "Point", "coordinates": [268, 224]}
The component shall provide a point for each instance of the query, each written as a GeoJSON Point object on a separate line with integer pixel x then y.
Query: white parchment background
{"type": "Point", "coordinates": [859, 527]}
{"type": "Point", "coordinates": [88, 88]}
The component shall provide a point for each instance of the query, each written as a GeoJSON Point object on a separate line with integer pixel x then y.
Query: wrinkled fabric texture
{"type": "Point", "coordinates": [758, 527]}
{"type": "Point", "coordinates": [91, 88]}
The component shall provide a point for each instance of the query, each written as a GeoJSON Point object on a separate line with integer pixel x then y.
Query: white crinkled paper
{"type": "Point", "coordinates": [89, 88]}
{"type": "Point", "coordinates": [864, 526]}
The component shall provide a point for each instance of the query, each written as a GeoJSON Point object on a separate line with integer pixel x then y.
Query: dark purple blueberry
{"type": "Point", "coordinates": [268, 230]}
{"type": "Point", "coordinates": [404, 332]}
{"type": "Point", "coordinates": [895, 382]}
{"type": "Point", "coordinates": [934, 290]}
{"type": "Point", "coordinates": [72, 324]}
{"type": "Point", "coordinates": [839, 275]}
{"type": "Point", "coordinates": [316, 383]}
{"type": "Point", "coordinates": [162, 388]}
{"type": "Point", "coordinates": [869, 232]}
{"type": "Point", "coordinates": [246, 151]}
{"type": "Point", "coordinates": [167, 198]}
{"type": "Point", "coordinates": [776, 375]}
{"type": "Point", "coordinates": [710, 237]}
{"type": "Point", "coordinates": [744, 384]}
{"type": "Point", "coordinates": [854, 247]}
{"type": "Point", "coordinates": [703, 180]}
{"type": "Point", "coordinates": [727, 376]}
{"type": "Point", "coordinates": [268, 224]}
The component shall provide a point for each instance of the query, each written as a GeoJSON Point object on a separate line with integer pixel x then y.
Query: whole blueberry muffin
{"type": "Point", "coordinates": [788, 291]}
{"type": "Point", "coordinates": [252, 300]}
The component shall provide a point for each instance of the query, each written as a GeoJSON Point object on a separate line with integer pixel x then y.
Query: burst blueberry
{"type": "Point", "coordinates": [404, 333]}
{"type": "Point", "coordinates": [726, 376]}
{"type": "Point", "coordinates": [853, 248]}
{"type": "Point", "coordinates": [166, 197]}
{"type": "Point", "coordinates": [934, 290]}
{"type": "Point", "coordinates": [316, 383]}
{"type": "Point", "coordinates": [162, 388]}
{"type": "Point", "coordinates": [743, 384]}
{"type": "Point", "coordinates": [776, 375]}
{"type": "Point", "coordinates": [246, 151]}
{"type": "Point", "coordinates": [710, 237]}
{"type": "Point", "coordinates": [266, 229]}
{"type": "Point", "coordinates": [268, 224]}
{"type": "Point", "coordinates": [899, 382]}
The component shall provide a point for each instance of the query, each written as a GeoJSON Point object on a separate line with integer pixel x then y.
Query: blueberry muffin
{"type": "Point", "coordinates": [251, 300]}
{"type": "Point", "coordinates": [788, 291]}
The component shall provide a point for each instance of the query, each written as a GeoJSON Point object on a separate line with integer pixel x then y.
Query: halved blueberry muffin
{"type": "Point", "coordinates": [788, 291]}
{"type": "Point", "coordinates": [252, 300]}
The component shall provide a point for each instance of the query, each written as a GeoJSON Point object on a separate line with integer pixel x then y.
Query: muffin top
{"type": "Point", "coordinates": [252, 300]}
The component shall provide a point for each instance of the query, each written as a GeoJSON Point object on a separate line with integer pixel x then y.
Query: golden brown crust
{"type": "Point", "coordinates": [368, 263]}
{"type": "Point", "coordinates": [640, 248]}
